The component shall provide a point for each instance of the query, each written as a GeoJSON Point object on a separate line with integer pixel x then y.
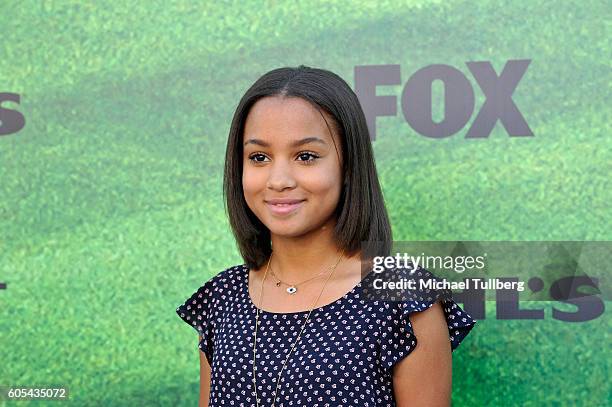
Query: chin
{"type": "Point", "coordinates": [285, 231]}
{"type": "Point", "coordinates": [286, 227]}
{"type": "Point", "coordinates": [289, 228]}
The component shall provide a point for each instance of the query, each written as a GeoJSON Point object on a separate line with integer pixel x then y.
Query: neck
{"type": "Point", "coordinates": [295, 259]}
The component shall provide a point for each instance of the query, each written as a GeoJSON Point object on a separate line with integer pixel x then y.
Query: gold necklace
{"type": "Point", "coordinates": [292, 288]}
{"type": "Point", "coordinates": [298, 337]}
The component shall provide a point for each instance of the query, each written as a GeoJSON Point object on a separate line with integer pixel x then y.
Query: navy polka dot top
{"type": "Point", "coordinates": [344, 357]}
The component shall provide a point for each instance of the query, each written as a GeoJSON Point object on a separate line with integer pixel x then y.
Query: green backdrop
{"type": "Point", "coordinates": [110, 196]}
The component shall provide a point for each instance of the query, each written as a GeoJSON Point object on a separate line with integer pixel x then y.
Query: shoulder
{"type": "Point", "coordinates": [397, 292]}
{"type": "Point", "coordinates": [227, 279]}
{"type": "Point", "coordinates": [221, 285]}
{"type": "Point", "coordinates": [229, 274]}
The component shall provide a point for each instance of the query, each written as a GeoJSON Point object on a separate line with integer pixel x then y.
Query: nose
{"type": "Point", "coordinates": [280, 176]}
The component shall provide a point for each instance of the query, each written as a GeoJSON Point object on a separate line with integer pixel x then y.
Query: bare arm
{"type": "Point", "coordinates": [204, 378]}
{"type": "Point", "coordinates": [424, 378]}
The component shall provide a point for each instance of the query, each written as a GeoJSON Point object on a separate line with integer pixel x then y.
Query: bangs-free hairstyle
{"type": "Point", "coordinates": [362, 220]}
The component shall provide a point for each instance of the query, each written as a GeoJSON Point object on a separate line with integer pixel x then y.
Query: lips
{"type": "Point", "coordinates": [284, 206]}
{"type": "Point", "coordinates": [283, 201]}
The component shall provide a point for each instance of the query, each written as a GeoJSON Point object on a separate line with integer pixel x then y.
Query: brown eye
{"type": "Point", "coordinates": [310, 157]}
{"type": "Point", "coordinates": [257, 158]}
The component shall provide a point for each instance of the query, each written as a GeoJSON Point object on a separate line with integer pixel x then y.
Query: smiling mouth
{"type": "Point", "coordinates": [284, 209]}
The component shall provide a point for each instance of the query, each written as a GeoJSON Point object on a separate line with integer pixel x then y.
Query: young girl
{"type": "Point", "coordinates": [292, 325]}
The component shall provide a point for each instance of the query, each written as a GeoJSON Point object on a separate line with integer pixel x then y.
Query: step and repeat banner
{"type": "Point", "coordinates": [490, 123]}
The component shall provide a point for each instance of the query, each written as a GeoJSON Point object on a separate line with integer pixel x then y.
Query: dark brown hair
{"type": "Point", "coordinates": [362, 220]}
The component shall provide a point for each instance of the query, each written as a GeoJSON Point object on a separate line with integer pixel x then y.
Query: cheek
{"type": "Point", "coordinates": [326, 184]}
{"type": "Point", "coordinates": [250, 189]}
{"type": "Point", "coordinates": [251, 182]}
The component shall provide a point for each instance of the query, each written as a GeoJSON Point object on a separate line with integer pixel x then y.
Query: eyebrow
{"type": "Point", "coordinates": [294, 144]}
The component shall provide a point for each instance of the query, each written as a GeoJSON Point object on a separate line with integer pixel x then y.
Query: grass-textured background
{"type": "Point", "coordinates": [110, 197]}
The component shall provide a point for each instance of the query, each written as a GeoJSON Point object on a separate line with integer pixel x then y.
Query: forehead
{"type": "Point", "coordinates": [288, 118]}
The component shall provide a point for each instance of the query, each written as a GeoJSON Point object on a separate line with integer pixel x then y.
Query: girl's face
{"type": "Point", "coordinates": [289, 155]}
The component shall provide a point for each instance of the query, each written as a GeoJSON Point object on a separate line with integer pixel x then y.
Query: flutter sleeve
{"type": "Point", "coordinates": [197, 311]}
{"type": "Point", "coordinates": [398, 339]}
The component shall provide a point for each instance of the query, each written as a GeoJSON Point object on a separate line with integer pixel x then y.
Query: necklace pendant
{"type": "Point", "coordinates": [291, 289]}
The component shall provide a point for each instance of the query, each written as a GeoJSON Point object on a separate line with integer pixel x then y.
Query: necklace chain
{"type": "Point", "coordinates": [294, 343]}
{"type": "Point", "coordinates": [294, 286]}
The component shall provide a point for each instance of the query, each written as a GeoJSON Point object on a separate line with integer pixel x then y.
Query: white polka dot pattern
{"type": "Point", "coordinates": [344, 358]}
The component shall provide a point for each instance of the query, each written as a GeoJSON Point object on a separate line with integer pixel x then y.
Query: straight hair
{"type": "Point", "coordinates": [362, 220]}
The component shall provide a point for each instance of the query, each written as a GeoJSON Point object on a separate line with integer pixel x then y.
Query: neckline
{"type": "Point", "coordinates": [322, 308]}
